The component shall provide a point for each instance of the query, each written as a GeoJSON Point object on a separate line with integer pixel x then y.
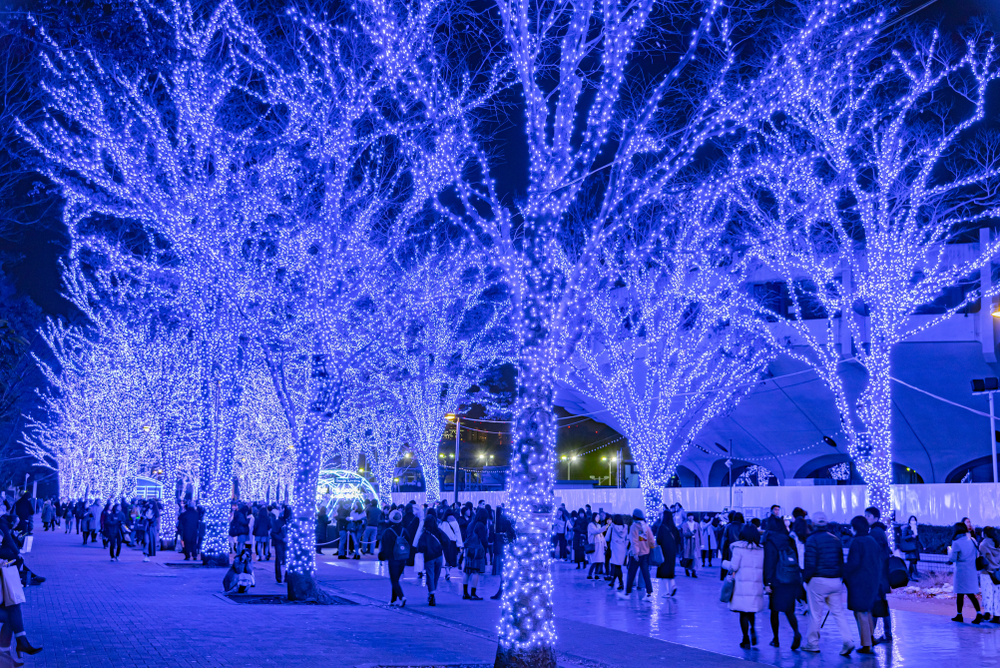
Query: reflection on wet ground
{"type": "Point", "coordinates": [696, 618]}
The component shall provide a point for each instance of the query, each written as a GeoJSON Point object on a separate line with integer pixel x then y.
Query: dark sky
{"type": "Point", "coordinates": [37, 248]}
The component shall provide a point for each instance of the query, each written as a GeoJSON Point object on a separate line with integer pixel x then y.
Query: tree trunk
{"type": "Point", "coordinates": [301, 572]}
{"type": "Point", "coordinates": [527, 627]}
{"type": "Point", "coordinates": [427, 456]}
{"type": "Point", "coordinates": [874, 450]}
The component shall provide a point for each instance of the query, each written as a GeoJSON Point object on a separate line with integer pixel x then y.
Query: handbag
{"type": "Point", "coordinates": [656, 556]}
{"type": "Point", "coordinates": [728, 587]}
{"type": "Point", "coordinates": [881, 609]}
{"type": "Point", "coordinates": [686, 562]}
{"type": "Point", "coordinates": [981, 564]}
{"type": "Point", "coordinates": [590, 549]}
{"type": "Point", "coordinates": [10, 582]}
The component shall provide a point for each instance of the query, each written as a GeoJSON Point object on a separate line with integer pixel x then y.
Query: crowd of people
{"type": "Point", "coordinates": [776, 563]}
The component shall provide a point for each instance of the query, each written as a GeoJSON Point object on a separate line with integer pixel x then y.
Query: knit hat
{"type": "Point", "coordinates": [395, 517]}
{"type": "Point", "coordinates": [819, 519]}
{"type": "Point", "coordinates": [638, 514]}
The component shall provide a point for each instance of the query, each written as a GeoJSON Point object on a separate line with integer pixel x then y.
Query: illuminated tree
{"type": "Point", "coordinates": [619, 103]}
{"type": "Point", "coordinates": [672, 341]}
{"type": "Point", "coordinates": [876, 167]}
{"type": "Point", "coordinates": [450, 326]}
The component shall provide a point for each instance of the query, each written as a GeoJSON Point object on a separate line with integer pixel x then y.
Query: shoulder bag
{"type": "Point", "coordinates": [10, 582]}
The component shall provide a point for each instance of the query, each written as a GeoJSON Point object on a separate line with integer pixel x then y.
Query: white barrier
{"type": "Point", "coordinates": [937, 504]}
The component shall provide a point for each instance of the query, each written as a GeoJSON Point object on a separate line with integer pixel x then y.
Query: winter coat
{"type": "Point", "coordinates": [113, 524]}
{"type": "Point", "coordinates": [279, 532]}
{"type": "Point", "coordinates": [239, 525]}
{"type": "Point", "coordinates": [595, 536]}
{"type": "Point", "coordinates": [187, 526]}
{"type": "Point", "coordinates": [388, 543]}
{"type": "Point", "coordinates": [617, 536]}
{"type": "Point", "coordinates": [48, 512]}
{"type": "Point", "coordinates": [824, 556]}
{"type": "Point", "coordinates": [877, 532]}
{"type": "Point", "coordinates": [910, 545]}
{"type": "Point", "coordinates": [863, 574]}
{"type": "Point", "coordinates": [10, 548]}
{"type": "Point", "coordinates": [322, 522]}
{"type": "Point", "coordinates": [708, 539]}
{"type": "Point", "coordinates": [783, 594]}
{"type": "Point", "coordinates": [667, 540]}
{"type": "Point", "coordinates": [640, 538]}
{"type": "Point", "coordinates": [262, 527]}
{"type": "Point", "coordinates": [963, 555]}
{"type": "Point", "coordinates": [431, 541]}
{"type": "Point", "coordinates": [990, 551]}
{"type": "Point", "coordinates": [729, 536]}
{"type": "Point", "coordinates": [452, 531]}
{"type": "Point", "coordinates": [692, 540]}
{"type": "Point", "coordinates": [747, 569]}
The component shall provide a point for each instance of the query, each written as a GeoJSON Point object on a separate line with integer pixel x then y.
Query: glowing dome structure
{"type": "Point", "coordinates": [337, 484]}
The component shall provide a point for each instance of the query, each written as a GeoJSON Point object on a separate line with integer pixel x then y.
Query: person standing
{"type": "Point", "coordinates": [641, 541]}
{"type": "Point", "coordinates": [372, 518]}
{"type": "Point", "coordinates": [505, 536]}
{"type": "Point", "coordinates": [187, 528]}
{"type": "Point", "coordinates": [48, 516]}
{"type": "Point", "coordinates": [823, 575]}
{"type": "Point", "coordinates": [782, 576]}
{"type": "Point", "coordinates": [261, 534]}
{"type": "Point", "coordinates": [730, 534]}
{"type": "Point", "coordinates": [878, 531]}
{"type": "Point", "coordinates": [453, 532]}
{"type": "Point", "coordinates": [666, 538]}
{"type": "Point", "coordinates": [863, 577]}
{"type": "Point", "coordinates": [431, 544]}
{"type": "Point", "coordinates": [691, 535]}
{"type": "Point", "coordinates": [989, 582]}
{"type": "Point", "coordinates": [322, 522]}
{"type": "Point", "coordinates": [746, 567]}
{"type": "Point", "coordinates": [355, 525]}
{"type": "Point", "coordinates": [911, 547]}
{"type": "Point", "coordinates": [279, 539]}
{"type": "Point", "coordinates": [597, 545]}
{"type": "Point", "coordinates": [709, 543]}
{"type": "Point", "coordinates": [963, 554]}
{"type": "Point", "coordinates": [617, 536]}
{"type": "Point", "coordinates": [114, 531]}
{"type": "Point", "coordinates": [395, 557]}
{"type": "Point", "coordinates": [475, 556]}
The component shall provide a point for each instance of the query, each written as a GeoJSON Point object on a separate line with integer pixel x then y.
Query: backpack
{"type": "Point", "coordinates": [898, 574]}
{"type": "Point", "coordinates": [400, 549]}
{"type": "Point", "coordinates": [787, 570]}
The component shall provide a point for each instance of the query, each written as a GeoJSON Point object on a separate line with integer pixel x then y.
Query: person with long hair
{"type": "Point", "coordinates": [989, 582]}
{"type": "Point", "coordinates": [863, 577]}
{"type": "Point", "coordinates": [963, 554]}
{"type": "Point", "coordinates": [617, 537]}
{"type": "Point", "coordinates": [597, 546]}
{"type": "Point", "coordinates": [782, 577]}
{"type": "Point", "coordinates": [911, 546]}
{"type": "Point", "coordinates": [666, 538]}
{"type": "Point", "coordinates": [746, 567]}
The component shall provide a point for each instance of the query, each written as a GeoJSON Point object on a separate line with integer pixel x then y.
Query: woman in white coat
{"type": "Point", "coordinates": [709, 543]}
{"type": "Point", "coordinates": [747, 569]}
{"type": "Point", "coordinates": [595, 537]}
{"type": "Point", "coordinates": [617, 537]}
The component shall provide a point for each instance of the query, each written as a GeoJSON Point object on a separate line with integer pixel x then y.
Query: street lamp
{"type": "Point", "coordinates": [452, 417]}
{"type": "Point", "coordinates": [611, 462]}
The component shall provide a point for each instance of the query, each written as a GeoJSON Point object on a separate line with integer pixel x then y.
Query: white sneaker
{"type": "Point", "coordinates": [145, 558]}
{"type": "Point", "coordinates": [622, 596]}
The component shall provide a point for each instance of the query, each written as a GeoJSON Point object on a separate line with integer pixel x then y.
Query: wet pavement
{"type": "Point", "coordinates": [694, 618]}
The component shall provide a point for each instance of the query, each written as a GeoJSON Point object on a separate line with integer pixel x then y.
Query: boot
{"type": "Point", "coordinates": [430, 600]}
{"type": "Point", "coordinates": [958, 618]}
{"type": "Point", "coordinates": [24, 647]}
{"type": "Point", "coordinates": [465, 592]}
{"type": "Point", "coordinates": [979, 619]}
{"type": "Point", "coordinates": [496, 596]}
{"type": "Point", "coordinates": [473, 596]}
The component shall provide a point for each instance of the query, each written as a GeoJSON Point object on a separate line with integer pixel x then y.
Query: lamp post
{"type": "Point", "coordinates": [451, 417]}
{"type": "Point", "coordinates": [989, 387]}
{"type": "Point", "coordinates": [569, 465]}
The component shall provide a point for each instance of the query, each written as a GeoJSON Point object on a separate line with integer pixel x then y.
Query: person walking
{"type": "Point", "coordinates": [580, 539]}
{"type": "Point", "coordinates": [239, 528]}
{"type": "Point", "coordinates": [863, 577]}
{"type": "Point", "coordinates": [963, 553]}
{"type": "Point", "coordinates": [878, 531]}
{"type": "Point", "coordinates": [782, 577]}
{"type": "Point", "coordinates": [641, 541]}
{"type": "Point", "coordinates": [823, 574]}
{"type": "Point", "coordinates": [475, 556]}
{"type": "Point", "coordinates": [279, 539]}
{"type": "Point", "coordinates": [372, 518]}
{"type": "Point", "coordinates": [730, 534]}
{"type": "Point", "coordinates": [152, 534]}
{"type": "Point", "coordinates": [504, 536]}
{"type": "Point", "coordinates": [746, 567]}
{"type": "Point", "coordinates": [617, 536]}
{"type": "Point", "coordinates": [911, 547]}
{"type": "Point", "coordinates": [395, 550]}
{"type": "Point", "coordinates": [691, 535]}
{"type": "Point", "coordinates": [48, 516]}
{"type": "Point", "coordinates": [666, 538]}
{"type": "Point", "coordinates": [989, 577]}
{"type": "Point", "coordinates": [114, 524]}
{"type": "Point", "coordinates": [430, 543]}
{"type": "Point", "coordinates": [453, 532]}
{"type": "Point", "coordinates": [709, 543]}
{"type": "Point", "coordinates": [355, 525]}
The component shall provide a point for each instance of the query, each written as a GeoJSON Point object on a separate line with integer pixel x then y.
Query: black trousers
{"type": "Point", "coordinates": [396, 568]}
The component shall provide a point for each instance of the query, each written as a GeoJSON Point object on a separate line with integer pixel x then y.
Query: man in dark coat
{"type": "Point", "coordinates": [824, 568]}
{"type": "Point", "coordinates": [863, 577]}
{"type": "Point", "coordinates": [25, 512]}
{"type": "Point", "coordinates": [877, 530]}
{"type": "Point", "coordinates": [187, 527]}
{"type": "Point", "coordinates": [730, 535]}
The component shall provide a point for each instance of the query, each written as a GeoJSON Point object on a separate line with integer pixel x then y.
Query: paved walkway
{"type": "Point", "coordinates": [92, 612]}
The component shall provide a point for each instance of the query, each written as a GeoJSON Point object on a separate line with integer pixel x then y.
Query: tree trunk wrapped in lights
{"type": "Point", "coordinates": [857, 201]}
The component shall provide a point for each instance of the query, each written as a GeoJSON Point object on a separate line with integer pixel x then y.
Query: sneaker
{"type": "Point", "coordinates": [810, 648]}
{"type": "Point", "coordinates": [846, 649]}
{"type": "Point", "coordinates": [430, 601]}
{"type": "Point", "coordinates": [145, 558]}
{"type": "Point", "coordinates": [621, 596]}
{"type": "Point", "coordinates": [402, 602]}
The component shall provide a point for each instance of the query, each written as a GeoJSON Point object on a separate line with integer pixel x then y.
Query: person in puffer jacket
{"type": "Point", "coordinates": [823, 573]}
{"type": "Point", "coordinates": [746, 567]}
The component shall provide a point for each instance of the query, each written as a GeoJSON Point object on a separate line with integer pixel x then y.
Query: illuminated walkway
{"type": "Point", "coordinates": [130, 614]}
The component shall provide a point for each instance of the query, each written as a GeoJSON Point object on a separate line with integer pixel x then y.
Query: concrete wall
{"type": "Point", "coordinates": [938, 504]}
